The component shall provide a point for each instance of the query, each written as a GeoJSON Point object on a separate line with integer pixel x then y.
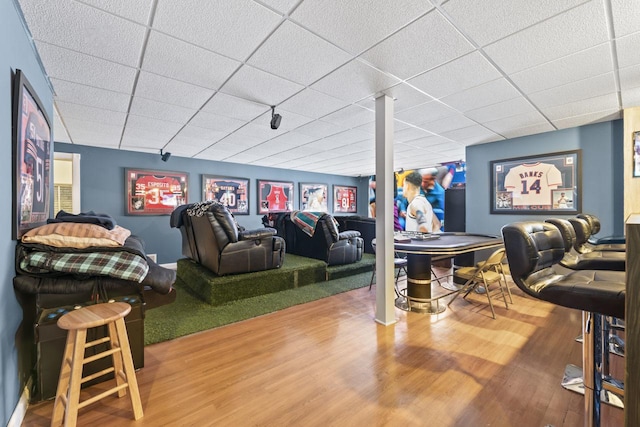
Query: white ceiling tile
{"type": "Point", "coordinates": [500, 110]}
{"type": "Point", "coordinates": [238, 140]}
{"type": "Point", "coordinates": [64, 64]}
{"type": "Point", "coordinates": [281, 6]}
{"type": "Point", "coordinates": [486, 94]}
{"type": "Point", "coordinates": [94, 134]}
{"type": "Point", "coordinates": [233, 29]}
{"type": "Point", "coordinates": [319, 128]}
{"type": "Point", "coordinates": [490, 20]}
{"type": "Point", "coordinates": [528, 130]}
{"type": "Point", "coordinates": [586, 106]}
{"type": "Point", "coordinates": [134, 138]}
{"type": "Point", "coordinates": [455, 76]}
{"type": "Point", "coordinates": [404, 96]}
{"type": "Point", "coordinates": [100, 98]}
{"type": "Point", "coordinates": [59, 131]}
{"type": "Point", "coordinates": [159, 88]}
{"type": "Point", "coordinates": [581, 65]}
{"type": "Point", "coordinates": [517, 121]}
{"type": "Point", "coordinates": [186, 147]}
{"type": "Point", "coordinates": [298, 55]}
{"type": "Point", "coordinates": [207, 120]}
{"type": "Point", "coordinates": [348, 137]}
{"type": "Point", "coordinates": [260, 87]}
{"type": "Point", "coordinates": [260, 131]}
{"type": "Point", "coordinates": [160, 110]}
{"type": "Point", "coordinates": [312, 103]}
{"type": "Point", "coordinates": [446, 124]}
{"type": "Point", "coordinates": [577, 29]}
{"type": "Point", "coordinates": [599, 116]}
{"type": "Point", "coordinates": [211, 135]}
{"type": "Point", "coordinates": [403, 54]}
{"type": "Point", "coordinates": [409, 133]}
{"type": "Point", "coordinates": [153, 125]}
{"type": "Point", "coordinates": [472, 135]}
{"type": "Point", "coordinates": [90, 114]}
{"type": "Point", "coordinates": [575, 91]}
{"type": "Point", "coordinates": [351, 116]}
{"type": "Point", "coordinates": [425, 113]}
{"type": "Point", "coordinates": [288, 140]}
{"type": "Point", "coordinates": [626, 15]}
{"type": "Point", "coordinates": [183, 61]}
{"type": "Point", "coordinates": [85, 29]}
{"type": "Point", "coordinates": [354, 81]}
{"type": "Point", "coordinates": [137, 10]}
{"type": "Point", "coordinates": [629, 77]}
{"type": "Point", "coordinates": [342, 22]}
{"type": "Point", "coordinates": [234, 107]}
{"type": "Point", "coordinates": [627, 49]}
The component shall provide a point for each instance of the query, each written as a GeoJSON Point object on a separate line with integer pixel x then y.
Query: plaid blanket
{"type": "Point", "coordinates": [121, 265]}
{"type": "Point", "coordinates": [306, 221]}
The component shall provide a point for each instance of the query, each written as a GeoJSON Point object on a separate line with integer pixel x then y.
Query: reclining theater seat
{"type": "Point", "coordinates": [326, 244]}
{"type": "Point", "coordinates": [214, 240]}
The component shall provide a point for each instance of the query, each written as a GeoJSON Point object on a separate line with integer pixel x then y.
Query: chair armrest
{"type": "Point", "coordinates": [259, 233]}
{"type": "Point", "coordinates": [349, 234]}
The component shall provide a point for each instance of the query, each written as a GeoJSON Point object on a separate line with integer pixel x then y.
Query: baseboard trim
{"type": "Point", "coordinates": [21, 408]}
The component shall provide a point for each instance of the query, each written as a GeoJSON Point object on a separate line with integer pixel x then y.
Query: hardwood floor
{"type": "Point", "coordinates": [328, 363]}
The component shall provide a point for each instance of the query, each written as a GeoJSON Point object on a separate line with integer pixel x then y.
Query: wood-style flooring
{"type": "Point", "coordinates": [328, 363]}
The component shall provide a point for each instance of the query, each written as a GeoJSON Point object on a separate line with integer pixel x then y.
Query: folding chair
{"type": "Point", "coordinates": [487, 274]}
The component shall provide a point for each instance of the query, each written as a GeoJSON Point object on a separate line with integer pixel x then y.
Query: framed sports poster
{"type": "Point", "coordinates": [275, 196]}
{"type": "Point", "coordinates": [345, 199]}
{"type": "Point", "coordinates": [153, 192]}
{"type": "Point", "coordinates": [31, 158]}
{"type": "Point", "coordinates": [231, 192]}
{"type": "Point", "coordinates": [313, 197]}
{"type": "Point", "coordinates": [636, 154]}
{"type": "Point", "coordinates": [543, 184]}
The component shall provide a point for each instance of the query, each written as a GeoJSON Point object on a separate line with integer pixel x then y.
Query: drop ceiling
{"type": "Point", "coordinates": [197, 77]}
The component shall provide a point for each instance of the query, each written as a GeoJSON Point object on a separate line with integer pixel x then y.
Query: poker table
{"type": "Point", "coordinates": [421, 249]}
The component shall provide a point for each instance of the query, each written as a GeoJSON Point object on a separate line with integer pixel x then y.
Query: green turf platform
{"type": "Point", "coordinates": [295, 272]}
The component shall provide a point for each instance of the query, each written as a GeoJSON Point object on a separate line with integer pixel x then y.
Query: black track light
{"type": "Point", "coordinates": [275, 118]}
{"type": "Point", "coordinates": [164, 156]}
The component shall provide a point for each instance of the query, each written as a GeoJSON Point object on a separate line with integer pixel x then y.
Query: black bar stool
{"type": "Point", "coordinates": [533, 248]}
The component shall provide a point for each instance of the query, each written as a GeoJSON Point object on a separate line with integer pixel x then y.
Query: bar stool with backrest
{"type": "Point", "coordinates": [77, 322]}
{"type": "Point", "coordinates": [533, 248]}
{"type": "Point", "coordinates": [399, 264]}
{"type": "Point", "coordinates": [609, 243]}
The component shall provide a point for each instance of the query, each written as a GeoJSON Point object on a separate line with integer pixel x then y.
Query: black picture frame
{"type": "Point", "coordinates": [154, 192]}
{"type": "Point", "coordinates": [314, 197]}
{"type": "Point", "coordinates": [275, 196]}
{"type": "Point", "coordinates": [539, 184]}
{"type": "Point", "coordinates": [231, 192]}
{"type": "Point", "coordinates": [31, 154]}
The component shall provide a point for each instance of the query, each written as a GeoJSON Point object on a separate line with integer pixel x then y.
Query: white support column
{"type": "Point", "coordinates": [385, 295]}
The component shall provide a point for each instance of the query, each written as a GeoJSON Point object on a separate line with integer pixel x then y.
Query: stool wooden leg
{"type": "Point", "coordinates": [75, 380]}
{"type": "Point", "coordinates": [63, 383]}
{"type": "Point", "coordinates": [129, 370]}
{"type": "Point", "coordinates": [117, 359]}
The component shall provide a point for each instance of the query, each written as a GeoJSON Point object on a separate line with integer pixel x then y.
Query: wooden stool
{"type": "Point", "coordinates": [77, 322]}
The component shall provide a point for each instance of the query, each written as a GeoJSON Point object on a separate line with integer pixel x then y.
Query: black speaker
{"type": "Point", "coordinates": [275, 121]}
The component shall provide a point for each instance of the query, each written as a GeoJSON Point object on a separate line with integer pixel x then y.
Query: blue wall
{"type": "Point", "coordinates": [103, 189]}
{"type": "Point", "coordinates": [16, 52]}
{"type": "Point", "coordinates": [602, 174]}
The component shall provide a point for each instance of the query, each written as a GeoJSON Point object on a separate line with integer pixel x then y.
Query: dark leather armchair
{"type": "Point", "coordinates": [326, 244]}
{"type": "Point", "coordinates": [211, 237]}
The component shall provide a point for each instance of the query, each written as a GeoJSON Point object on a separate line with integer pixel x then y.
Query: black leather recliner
{"type": "Point", "coordinates": [212, 238]}
{"type": "Point", "coordinates": [326, 244]}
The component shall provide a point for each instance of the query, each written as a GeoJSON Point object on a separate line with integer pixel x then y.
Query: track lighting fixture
{"type": "Point", "coordinates": [275, 118]}
{"type": "Point", "coordinates": [164, 156]}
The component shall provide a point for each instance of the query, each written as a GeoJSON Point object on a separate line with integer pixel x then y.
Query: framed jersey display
{"type": "Point", "coordinates": [31, 158]}
{"type": "Point", "coordinates": [543, 184]}
{"type": "Point", "coordinates": [345, 199]}
{"type": "Point", "coordinates": [152, 192]}
{"type": "Point", "coordinates": [313, 197]}
{"type": "Point", "coordinates": [275, 196]}
{"type": "Point", "coordinates": [231, 192]}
